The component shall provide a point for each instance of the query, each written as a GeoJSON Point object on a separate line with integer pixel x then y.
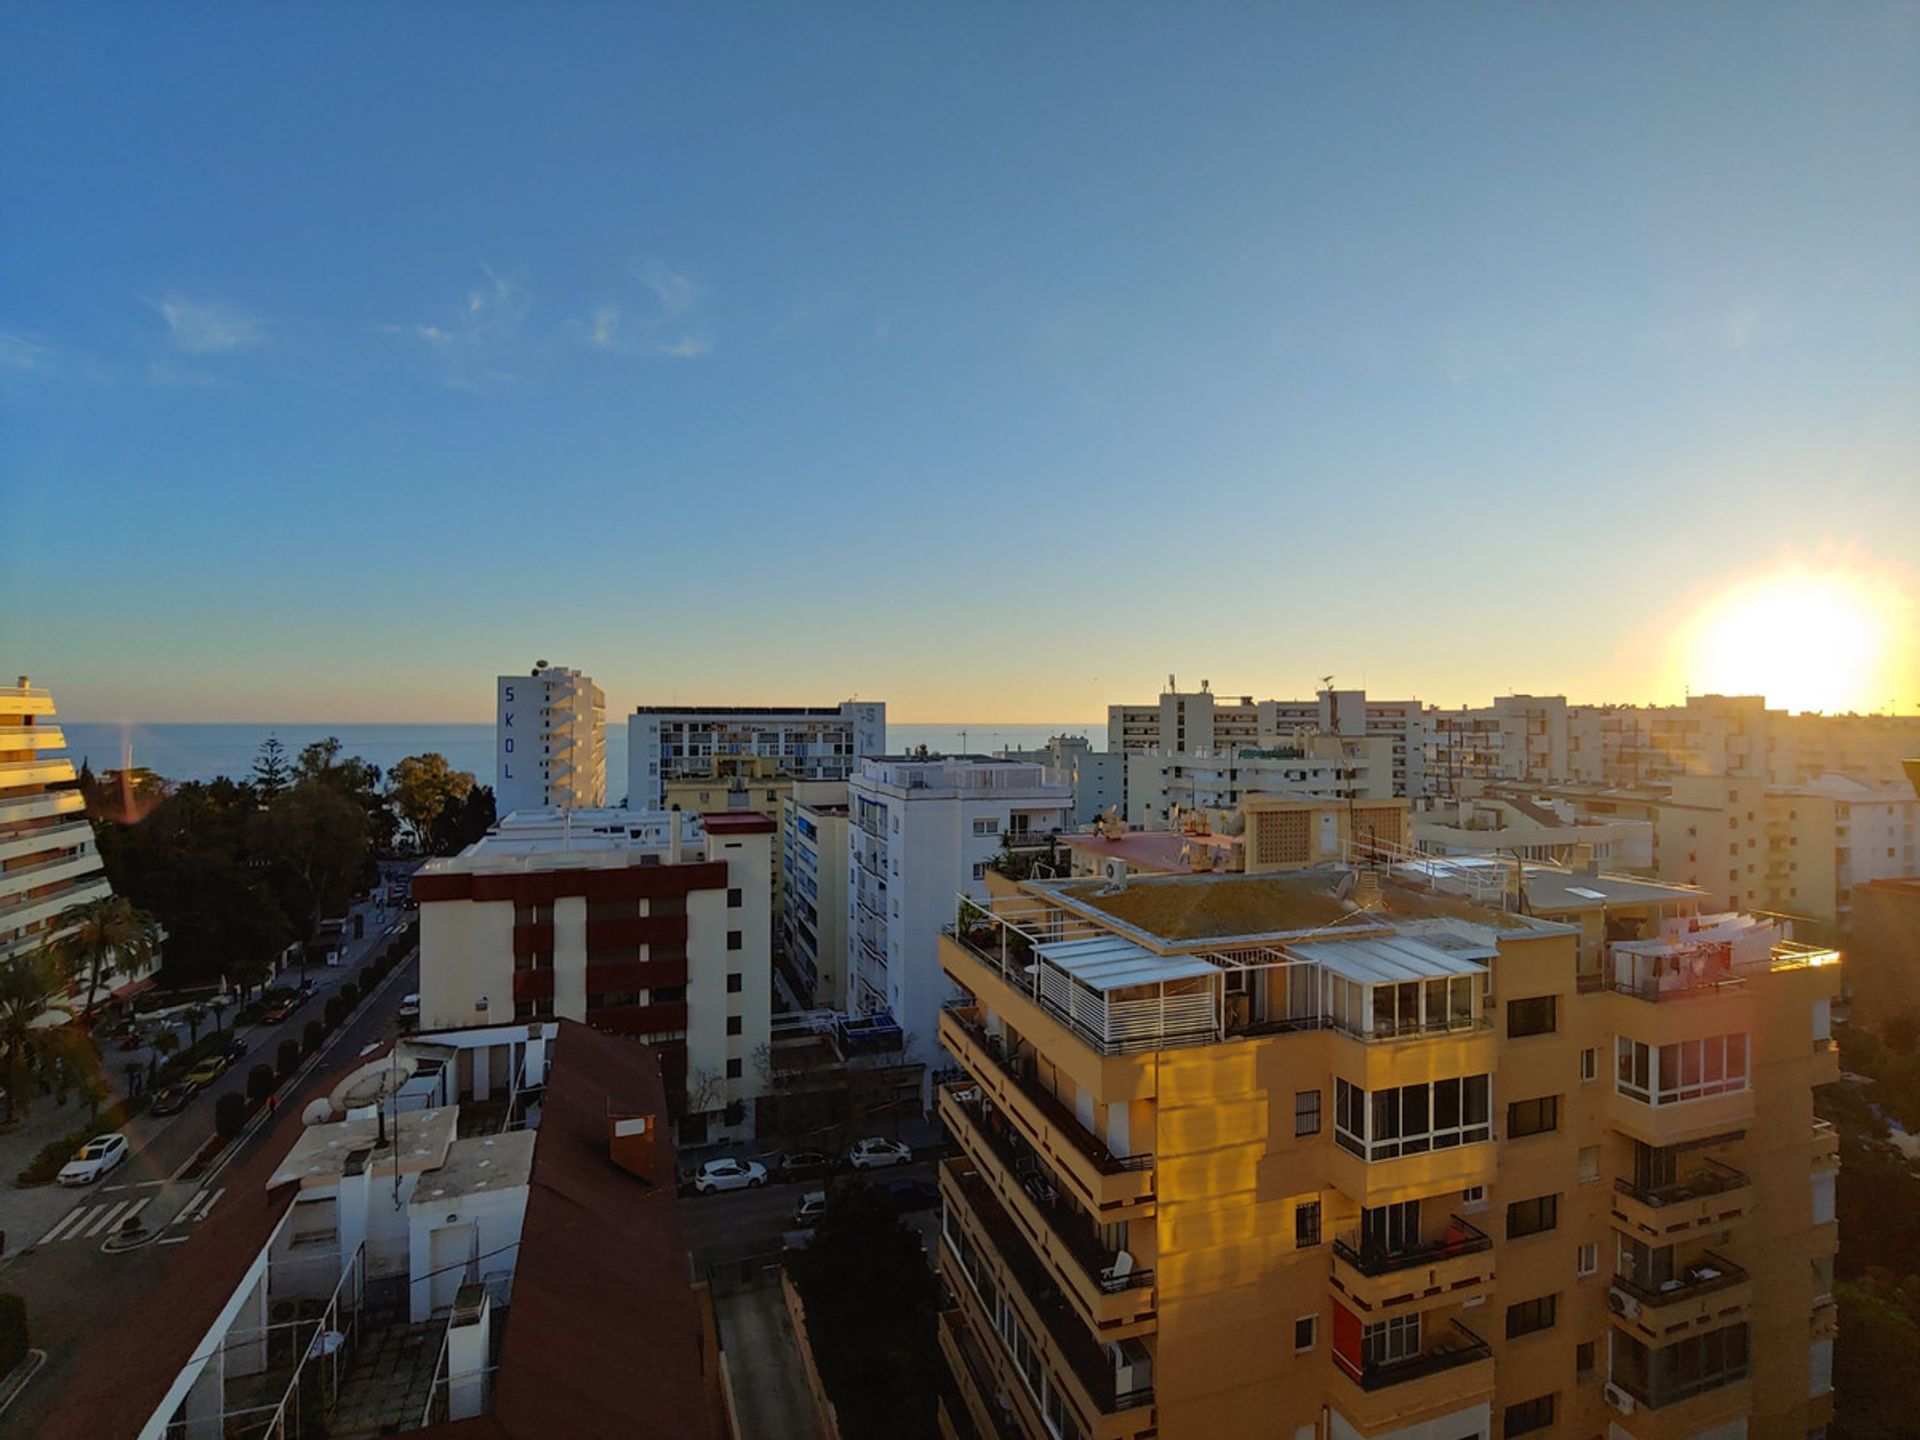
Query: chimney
{"type": "Point", "coordinates": [630, 1144]}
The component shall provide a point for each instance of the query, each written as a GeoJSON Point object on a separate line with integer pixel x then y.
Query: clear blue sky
{"type": "Point", "coordinates": [992, 359]}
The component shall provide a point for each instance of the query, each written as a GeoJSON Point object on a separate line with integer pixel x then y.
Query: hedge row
{"type": "Point", "coordinates": [47, 1162]}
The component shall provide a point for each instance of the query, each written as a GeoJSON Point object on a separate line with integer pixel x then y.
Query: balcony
{"type": "Point", "coordinates": [1826, 1061]}
{"type": "Point", "coordinates": [1071, 1351]}
{"type": "Point", "coordinates": [1108, 1292]}
{"type": "Point", "coordinates": [1454, 1266]}
{"type": "Point", "coordinates": [978, 1382]}
{"type": "Point", "coordinates": [1105, 1181]}
{"type": "Point", "coordinates": [1154, 1013]}
{"type": "Point", "coordinates": [1826, 1144]}
{"type": "Point", "coordinates": [1707, 1293]}
{"type": "Point", "coordinates": [1710, 1196]}
{"type": "Point", "coordinates": [1453, 1371]}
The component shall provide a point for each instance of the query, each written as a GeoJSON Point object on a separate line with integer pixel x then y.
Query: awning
{"type": "Point", "coordinates": [1389, 959]}
{"type": "Point", "coordinates": [1110, 963]}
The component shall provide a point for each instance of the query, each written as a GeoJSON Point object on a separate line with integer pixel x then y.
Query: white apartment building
{"type": "Point", "coordinates": [813, 852]}
{"type": "Point", "coordinates": [48, 860]}
{"type": "Point", "coordinates": [1516, 738]}
{"type": "Point", "coordinates": [823, 742]}
{"type": "Point", "coordinates": [1098, 777]}
{"type": "Point", "coordinates": [1302, 767]}
{"type": "Point", "coordinates": [650, 925]}
{"type": "Point", "coordinates": [923, 828]}
{"type": "Point", "coordinates": [1199, 721]}
{"type": "Point", "coordinates": [550, 741]}
{"type": "Point", "coordinates": [1531, 827]}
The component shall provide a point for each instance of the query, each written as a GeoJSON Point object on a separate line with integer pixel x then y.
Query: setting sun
{"type": "Point", "coordinates": [1806, 640]}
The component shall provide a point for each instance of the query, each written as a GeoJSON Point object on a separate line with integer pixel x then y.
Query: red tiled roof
{"type": "Point", "coordinates": [738, 822]}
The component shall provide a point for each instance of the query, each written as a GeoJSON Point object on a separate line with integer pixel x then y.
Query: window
{"type": "Point", "coordinates": [1390, 1340]}
{"type": "Point", "coordinates": [1689, 1070]}
{"type": "Point", "coordinates": [733, 1024]}
{"type": "Point", "coordinates": [734, 898]}
{"type": "Point", "coordinates": [986, 827]}
{"type": "Point", "coordinates": [1529, 1415]}
{"type": "Point", "coordinates": [1412, 1119]}
{"type": "Point", "coordinates": [1306, 1112]}
{"type": "Point", "coordinates": [1533, 1117]}
{"type": "Point", "coordinates": [1532, 1217]}
{"type": "Point", "coordinates": [733, 1069]}
{"type": "Point", "coordinates": [733, 983]}
{"type": "Point", "coordinates": [1589, 1064]}
{"type": "Point", "coordinates": [980, 870]}
{"type": "Point", "coordinates": [1473, 1197]}
{"type": "Point", "coordinates": [1306, 1225]}
{"type": "Point", "coordinates": [1531, 1315]}
{"type": "Point", "coordinates": [1537, 1016]}
{"type": "Point", "coordinates": [1587, 1259]}
{"type": "Point", "coordinates": [1305, 1332]}
{"type": "Point", "coordinates": [1589, 1164]}
{"type": "Point", "coordinates": [734, 940]}
{"type": "Point", "coordinates": [1583, 1359]}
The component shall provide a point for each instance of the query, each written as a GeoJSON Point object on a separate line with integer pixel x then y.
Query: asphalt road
{"type": "Point", "coordinates": [71, 1286]}
{"type": "Point", "coordinates": [736, 1224]}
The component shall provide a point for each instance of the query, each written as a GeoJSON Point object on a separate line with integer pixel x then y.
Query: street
{"type": "Point", "coordinates": [68, 1281]}
{"type": "Point", "coordinates": [738, 1225]}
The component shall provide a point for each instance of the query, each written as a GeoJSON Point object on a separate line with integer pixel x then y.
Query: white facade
{"type": "Point", "coordinates": [1098, 777]}
{"type": "Point", "coordinates": [1201, 722]}
{"type": "Point", "coordinates": [826, 742]}
{"type": "Point", "coordinates": [1533, 828]}
{"type": "Point", "coordinates": [924, 828]}
{"type": "Point", "coordinates": [48, 859]}
{"type": "Point", "coordinates": [1302, 767]}
{"type": "Point", "coordinates": [550, 740]}
{"type": "Point", "coordinates": [656, 926]}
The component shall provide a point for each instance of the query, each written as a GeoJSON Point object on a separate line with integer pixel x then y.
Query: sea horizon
{"type": "Point", "coordinates": [185, 751]}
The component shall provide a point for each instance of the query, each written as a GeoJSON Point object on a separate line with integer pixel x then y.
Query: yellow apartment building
{"type": "Point", "coordinates": [1339, 1153]}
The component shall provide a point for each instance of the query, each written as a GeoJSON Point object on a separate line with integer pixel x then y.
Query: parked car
{"type": "Point", "coordinates": [809, 1208]}
{"type": "Point", "coordinates": [410, 1007]}
{"type": "Point", "coordinates": [170, 1098]}
{"type": "Point", "coordinates": [801, 1164]}
{"type": "Point", "coordinates": [873, 1153]}
{"type": "Point", "coordinates": [278, 1011]}
{"type": "Point", "coordinates": [99, 1156]}
{"type": "Point", "coordinates": [909, 1195]}
{"type": "Point", "coordinates": [207, 1071]}
{"type": "Point", "coordinates": [729, 1175]}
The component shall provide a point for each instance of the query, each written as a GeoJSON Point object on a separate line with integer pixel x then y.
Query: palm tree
{"type": "Point", "coordinates": [218, 1004]}
{"type": "Point", "coordinates": [27, 1049]}
{"type": "Point", "coordinates": [113, 938]}
{"type": "Point", "coordinates": [195, 1017]}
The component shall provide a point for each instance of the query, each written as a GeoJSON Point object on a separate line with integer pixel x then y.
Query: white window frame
{"type": "Point", "coordinates": [1703, 1067]}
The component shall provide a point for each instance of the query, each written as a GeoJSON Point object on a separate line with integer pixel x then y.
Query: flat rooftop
{"type": "Point", "coordinates": [477, 1163]}
{"type": "Point", "coordinates": [319, 1156]}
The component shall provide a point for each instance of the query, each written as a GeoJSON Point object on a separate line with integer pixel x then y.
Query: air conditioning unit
{"type": "Point", "coordinates": [1113, 871]}
{"type": "Point", "coordinates": [1623, 1304]}
{"type": "Point", "coordinates": [1619, 1399]}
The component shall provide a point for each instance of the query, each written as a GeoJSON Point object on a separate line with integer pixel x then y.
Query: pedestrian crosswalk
{"type": "Point", "coordinates": [97, 1221]}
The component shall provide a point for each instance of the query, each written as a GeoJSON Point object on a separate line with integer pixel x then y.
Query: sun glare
{"type": "Point", "coordinates": [1805, 640]}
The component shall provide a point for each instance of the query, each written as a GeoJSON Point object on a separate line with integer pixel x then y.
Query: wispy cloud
{"type": "Point", "coordinates": [165, 372]}
{"type": "Point", "coordinates": [676, 291]}
{"type": "Point", "coordinates": [208, 327]}
{"type": "Point", "coordinates": [690, 347]}
{"type": "Point", "coordinates": [471, 342]}
{"type": "Point", "coordinates": [20, 355]}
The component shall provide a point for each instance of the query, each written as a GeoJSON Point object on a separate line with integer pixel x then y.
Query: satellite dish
{"type": "Point", "coordinates": [317, 1112]}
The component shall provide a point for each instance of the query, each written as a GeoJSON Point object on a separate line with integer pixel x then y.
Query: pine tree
{"type": "Point", "coordinates": [270, 771]}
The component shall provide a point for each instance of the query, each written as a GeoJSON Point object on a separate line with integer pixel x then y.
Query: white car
{"type": "Point", "coordinates": [873, 1153]}
{"type": "Point", "coordinates": [729, 1175]}
{"type": "Point", "coordinates": [97, 1157]}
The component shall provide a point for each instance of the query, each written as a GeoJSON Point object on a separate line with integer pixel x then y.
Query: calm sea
{"type": "Point", "coordinates": [200, 752]}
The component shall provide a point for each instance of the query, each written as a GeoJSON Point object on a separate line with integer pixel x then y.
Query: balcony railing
{"type": "Point", "coordinates": [1690, 988]}
{"type": "Point", "coordinates": [1709, 1273]}
{"type": "Point", "coordinates": [1707, 1177]}
{"type": "Point", "coordinates": [1457, 1346]}
{"type": "Point", "coordinates": [1460, 1239]}
{"type": "Point", "coordinates": [1084, 1354]}
{"type": "Point", "coordinates": [1019, 1070]}
{"type": "Point", "coordinates": [1069, 1224]}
